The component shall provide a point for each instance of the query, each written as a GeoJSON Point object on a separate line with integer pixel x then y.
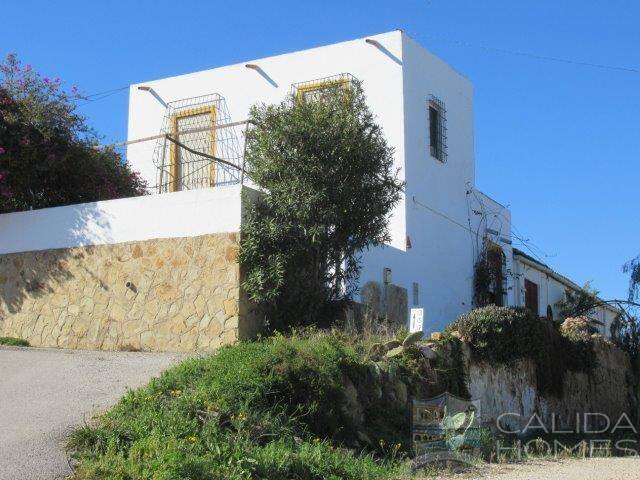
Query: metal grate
{"type": "Point", "coordinates": [199, 145]}
{"type": "Point", "coordinates": [438, 128]}
{"type": "Point", "coordinates": [312, 90]}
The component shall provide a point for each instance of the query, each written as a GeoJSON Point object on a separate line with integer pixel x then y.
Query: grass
{"type": "Point", "coordinates": [274, 408]}
{"type": "Point", "coordinates": [13, 341]}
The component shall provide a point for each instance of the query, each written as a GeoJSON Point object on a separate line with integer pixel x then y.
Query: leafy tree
{"type": "Point", "coordinates": [625, 330]}
{"type": "Point", "coordinates": [578, 303]}
{"type": "Point", "coordinates": [326, 170]}
{"type": "Point", "coordinates": [48, 154]}
{"type": "Point", "coordinates": [633, 269]}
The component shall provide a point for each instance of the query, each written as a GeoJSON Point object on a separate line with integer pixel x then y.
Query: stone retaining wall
{"type": "Point", "coordinates": [179, 294]}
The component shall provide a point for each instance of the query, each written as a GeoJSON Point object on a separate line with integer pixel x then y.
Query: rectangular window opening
{"type": "Point", "coordinates": [437, 129]}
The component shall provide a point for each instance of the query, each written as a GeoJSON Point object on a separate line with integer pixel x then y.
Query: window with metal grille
{"type": "Point", "coordinates": [437, 129]}
{"type": "Point", "coordinates": [313, 90]}
{"type": "Point", "coordinates": [195, 129]}
{"type": "Point", "coordinates": [416, 294]}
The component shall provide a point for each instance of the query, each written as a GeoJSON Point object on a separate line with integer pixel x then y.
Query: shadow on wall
{"type": "Point", "coordinates": [25, 277]}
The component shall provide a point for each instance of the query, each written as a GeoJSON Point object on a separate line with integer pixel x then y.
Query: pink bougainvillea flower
{"type": "Point", "coordinates": [2, 150]}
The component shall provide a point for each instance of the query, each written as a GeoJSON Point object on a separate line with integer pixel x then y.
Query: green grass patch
{"type": "Point", "coordinates": [271, 409]}
{"type": "Point", "coordinates": [13, 341]}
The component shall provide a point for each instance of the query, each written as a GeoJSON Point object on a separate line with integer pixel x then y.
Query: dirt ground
{"type": "Point", "coordinates": [627, 468]}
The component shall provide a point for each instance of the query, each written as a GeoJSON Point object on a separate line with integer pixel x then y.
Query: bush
{"type": "Point", "coordinates": [327, 172]}
{"type": "Point", "coordinates": [274, 408]}
{"type": "Point", "coordinates": [577, 329]}
{"type": "Point", "coordinates": [48, 154]}
{"type": "Point", "coordinates": [502, 335]}
{"type": "Point", "coordinates": [14, 342]}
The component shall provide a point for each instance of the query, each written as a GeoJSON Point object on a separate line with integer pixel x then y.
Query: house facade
{"type": "Point", "coordinates": [160, 272]}
{"type": "Point", "coordinates": [425, 108]}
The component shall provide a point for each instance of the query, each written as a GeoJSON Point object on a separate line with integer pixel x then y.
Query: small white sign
{"type": "Point", "coordinates": [417, 319]}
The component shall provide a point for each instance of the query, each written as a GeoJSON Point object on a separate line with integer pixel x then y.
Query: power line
{"type": "Point", "coordinates": [114, 90]}
{"type": "Point", "coordinates": [537, 56]}
{"type": "Point", "coordinates": [477, 233]}
{"type": "Point", "coordinates": [94, 97]}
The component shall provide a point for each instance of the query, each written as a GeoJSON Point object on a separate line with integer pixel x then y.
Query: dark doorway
{"type": "Point", "coordinates": [531, 296]}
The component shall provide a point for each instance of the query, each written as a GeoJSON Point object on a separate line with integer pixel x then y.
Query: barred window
{"type": "Point", "coordinates": [437, 129]}
{"type": "Point", "coordinates": [313, 90]}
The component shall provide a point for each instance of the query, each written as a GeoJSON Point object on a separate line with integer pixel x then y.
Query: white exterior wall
{"type": "Point", "coordinates": [551, 290]}
{"type": "Point", "coordinates": [172, 215]}
{"type": "Point", "coordinates": [241, 87]}
{"type": "Point", "coordinates": [442, 254]}
{"type": "Point", "coordinates": [397, 75]}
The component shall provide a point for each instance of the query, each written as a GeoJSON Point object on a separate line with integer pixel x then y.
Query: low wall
{"type": "Point", "coordinates": [179, 294]}
{"type": "Point", "coordinates": [510, 392]}
{"type": "Point", "coordinates": [155, 273]}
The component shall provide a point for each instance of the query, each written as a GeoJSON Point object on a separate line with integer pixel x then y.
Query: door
{"type": "Point", "coordinates": [531, 296]}
{"type": "Point", "coordinates": [194, 129]}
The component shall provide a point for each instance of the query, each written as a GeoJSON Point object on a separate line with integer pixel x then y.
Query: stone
{"type": "Point", "coordinates": [231, 307]}
{"type": "Point", "coordinates": [137, 252]}
{"type": "Point", "coordinates": [187, 296]}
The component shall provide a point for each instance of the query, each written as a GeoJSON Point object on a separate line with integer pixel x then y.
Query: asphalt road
{"type": "Point", "coordinates": [45, 393]}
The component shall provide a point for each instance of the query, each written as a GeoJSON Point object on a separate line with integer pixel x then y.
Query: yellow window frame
{"type": "Point", "coordinates": [174, 167]}
{"type": "Point", "coordinates": [302, 90]}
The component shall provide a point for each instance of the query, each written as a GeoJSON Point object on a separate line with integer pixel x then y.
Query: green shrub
{"type": "Point", "coordinates": [502, 335]}
{"type": "Point", "coordinates": [14, 342]}
{"type": "Point", "coordinates": [267, 409]}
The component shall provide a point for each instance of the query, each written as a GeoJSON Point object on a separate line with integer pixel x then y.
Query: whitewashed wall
{"type": "Point", "coordinates": [442, 254]}
{"type": "Point", "coordinates": [379, 70]}
{"type": "Point", "coordinates": [171, 215]}
{"type": "Point", "coordinates": [398, 76]}
{"type": "Point", "coordinates": [551, 290]}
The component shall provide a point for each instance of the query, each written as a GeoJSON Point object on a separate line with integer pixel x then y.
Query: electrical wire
{"type": "Point", "coordinates": [94, 97]}
{"type": "Point", "coordinates": [535, 55]}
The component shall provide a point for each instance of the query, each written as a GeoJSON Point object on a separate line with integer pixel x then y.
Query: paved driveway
{"type": "Point", "coordinates": [44, 393]}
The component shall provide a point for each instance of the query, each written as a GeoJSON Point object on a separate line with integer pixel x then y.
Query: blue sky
{"type": "Point", "coordinates": [558, 142]}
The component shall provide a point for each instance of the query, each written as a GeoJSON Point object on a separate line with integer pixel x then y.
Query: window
{"type": "Point", "coordinates": [193, 128]}
{"type": "Point", "coordinates": [416, 294]}
{"type": "Point", "coordinates": [313, 90]}
{"type": "Point", "coordinates": [437, 129]}
{"type": "Point", "coordinates": [497, 260]}
{"type": "Point", "coordinates": [531, 296]}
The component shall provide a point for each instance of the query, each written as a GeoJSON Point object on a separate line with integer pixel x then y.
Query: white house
{"type": "Point", "coordinates": [160, 271]}
{"type": "Point", "coordinates": [540, 289]}
{"type": "Point", "coordinates": [426, 110]}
